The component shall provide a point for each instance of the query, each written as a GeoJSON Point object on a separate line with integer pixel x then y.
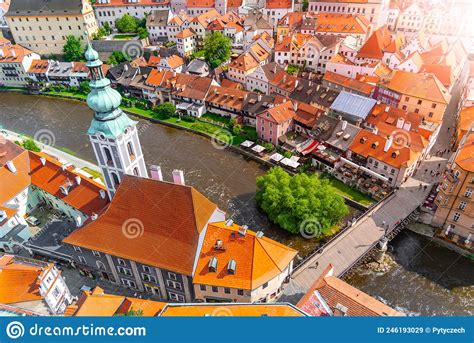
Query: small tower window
{"type": "Point", "coordinates": [130, 151]}
{"type": "Point", "coordinates": [135, 171]}
{"type": "Point", "coordinates": [108, 157]}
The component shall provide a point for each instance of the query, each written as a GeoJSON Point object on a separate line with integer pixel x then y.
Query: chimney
{"type": "Point", "coordinates": [178, 177]}
{"type": "Point", "coordinates": [13, 52]}
{"type": "Point", "coordinates": [243, 230]}
{"type": "Point", "coordinates": [78, 179]}
{"type": "Point", "coordinates": [344, 125]}
{"type": "Point", "coordinates": [388, 143]}
{"type": "Point", "coordinates": [387, 108]}
{"type": "Point", "coordinates": [407, 126]}
{"type": "Point", "coordinates": [11, 166]}
{"type": "Point", "coordinates": [156, 173]}
{"type": "Point", "coordinates": [259, 97]}
{"type": "Point", "coordinates": [94, 216]}
{"type": "Point", "coordinates": [2, 54]}
{"type": "Point", "coordinates": [43, 161]}
{"type": "Point", "coordinates": [400, 122]}
{"type": "Point", "coordinates": [375, 131]}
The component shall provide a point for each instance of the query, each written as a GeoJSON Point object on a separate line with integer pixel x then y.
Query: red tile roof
{"type": "Point", "coordinates": [39, 67]}
{"type": "Point", "coordinates": [152, 222]}
{"type": "Point", "coordinates": [280, 113]}
{"type": "Point", "coordinates": [114, 3]}
{"type": "Point", "coordinates": [337, 294]}
{"type": "Point", "coordinates": [274, 4]}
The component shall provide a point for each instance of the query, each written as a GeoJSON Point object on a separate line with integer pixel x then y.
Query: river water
{"type": "Point", "coordinates": [412, 285]}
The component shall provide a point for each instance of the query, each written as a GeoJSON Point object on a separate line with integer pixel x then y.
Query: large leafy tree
{"type": "Point", "coordinates": [73, 49]}
{"type": "Point", "coordinates": [127, 24]}
{"type": "Point", "coordinates": [295, 201]}
{"type": "Point", "coordinates": [117, 57]}
{"type": "Point", "coordinates": [217, 48]}
{"type": "Point", "coordinates": [166, 109]}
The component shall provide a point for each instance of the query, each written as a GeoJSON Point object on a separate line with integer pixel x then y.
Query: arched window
{"type": "Point", "coordinates": [135, 171]}
{"type": "Point", "coordinates": [100, 265]}
{"type": "Point", "coordinates": [108, 156]}
{"type": "Point", "coordinates": [116, 179]}
{"type": "Point", "coordinates": [130, 151]}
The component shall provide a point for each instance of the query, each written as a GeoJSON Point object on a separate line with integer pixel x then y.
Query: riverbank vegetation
{"type": "Point", "coordinates": [301, 204]}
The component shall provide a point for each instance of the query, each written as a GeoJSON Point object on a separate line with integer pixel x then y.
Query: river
{"type": "Point", "coordinates": [412, 284]}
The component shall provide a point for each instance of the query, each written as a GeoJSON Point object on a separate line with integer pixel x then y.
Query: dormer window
{"type": "Point", "coordinates": [213, 265]}
{"type": "Point", "coordinates": [232, 267]}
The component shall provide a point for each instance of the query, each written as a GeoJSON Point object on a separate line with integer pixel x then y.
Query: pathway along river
{"type": "Point", "coordinates": [416, 283]}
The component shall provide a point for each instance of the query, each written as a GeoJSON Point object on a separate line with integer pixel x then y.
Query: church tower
{"type": "Point", "coordinates": [112, 133]}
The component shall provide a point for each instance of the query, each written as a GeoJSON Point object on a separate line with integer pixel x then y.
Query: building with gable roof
{"type": "Point", "coordinates": [41, 25]}
{"type": "Point", "coordinates": [33, 285]}
{"type": "Point", "coordinates": [15, 62]}
{"type": "Point", "coordinates": [331, 296]}
{"type": "Point", "coordinates": [455, 206]}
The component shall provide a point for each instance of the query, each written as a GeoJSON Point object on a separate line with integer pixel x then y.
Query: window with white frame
{"type": "Point", "coordinates": [172, 276]}
{"type": "Point", "coordinates": [82, 259]}
{"type": "Point", "coordinates": [78, 249]}
{"type": "Point", "coordinates": [124, 271]}
{"type": "Point", "coordinates": [462, 205]}
{"type": "Point", "coordinates": [100, 265]}
{"type": "Point", "coordinates": [148, 277]}
{"type": "Point", "coordinates": [96, 253]}
{"type": "Point", "coordinates": [121, 262]}
{"type": "Point", "coordinates": [128, 283]}
{"type": "Point", "coordinates": [146, 269]}
{"type": "Point", "coordinates": [174, 284]}
{"type": "Point", "coordinates": [176, 297]}
{"type": "Point", "coordinates": [456, 216]}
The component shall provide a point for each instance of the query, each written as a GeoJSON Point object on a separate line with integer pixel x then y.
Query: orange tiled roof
{"type": "Point", "coordinates": [465, 121]}
{"type": "Point", "coordinates": [97, 303]}
{"type": "Point", "coordinates": [259, 52]}
{"type": "Point", "coordinates": [19, 282]}
{"type": "Point", "coordinates": [258, 260]}
{"type": "Point", "coordinates": [441, 71]}
{"type": "Point", "coordinates": [231, 309]}
{"type": "Point", "coordinates": [154, 60]}
{"type": "Point", "coordinates": [205, 18]}
{"type": "Point", "coordinates": [170, 219]}
{"type": "Point", "coordinates": [39, 67]}
{"type": "Point", "coordinates": [174, 61]}
{"type": "Point", "coordinates": [280, 113]}
{"type": "Point", "coordinates": [13, 183]}
{"type": "Point", "coordinates": [160, 78]}
{"type": "Point", "coordinates": [84, 196]}
{"type": "Point", "coordinates": [284, 81]}
{"type": "Point", "coordinates": [13, 53]}
{"type": "Point", "coordinates": [200, 3]}
{"type": "Point", "coordinates": [185, 33]}
{"type": "Point", "coordinates": [274, 4]}
{"type": "Point", "coordinates": [336, 292]}
{"type": "Point", "coordinates": [465, 154]}
{"type": "Point", "coordinates": [196, 89]}
{"type": "Point", "coordinates": [245, 62]}
{"type": "Point", "coordinates": [376, 44]}
{"type": "Point", "coordinates": [227, 97]}
{"type": "Point", "coordinates": [368, 144]}
{"type": "Point", "coordinates": [346, 23]}
{"type": "Point", "coordinates": [423, 86]}
{"type": "Point", "coordinates": [348, 82]}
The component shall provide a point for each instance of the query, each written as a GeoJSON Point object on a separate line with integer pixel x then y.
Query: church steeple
{"type": "Point", "coordinates": [113, 134]}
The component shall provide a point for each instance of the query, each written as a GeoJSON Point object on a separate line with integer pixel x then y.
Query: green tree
{"type": "Point", "coordinates": [292, 69]}
{"type": "Point", "coordinates": [126, 24]}
{"type": "Point", "coordinates": [166, 110]}
{"type": "Point", "coordinates": [305, 5]}
{"type": "Point", "coordinates": [107, 28]}
{"type": "Point", "coordinates": [84, 87]}
{"type": "Point", "coordinates": [73, 49]}
{"type": "Point", "coordinates": [142, 33]}
{"type": "Point", "coordinates": [117, 57]}
{"type": "Point", "coordinates": [30, 144]}
{"type": "Point", "coordinates": [293, 202]}
{"type": "Point", "coordinates": [101, 33]}
{"type": "Point", "coordinates": [217, 48]}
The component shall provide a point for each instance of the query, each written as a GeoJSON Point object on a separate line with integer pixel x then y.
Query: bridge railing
{"type": "Point", "coordinates": [364, 215]}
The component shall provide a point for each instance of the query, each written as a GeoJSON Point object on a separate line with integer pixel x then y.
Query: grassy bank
{"type": "Point", "coordinates": [350, 193]}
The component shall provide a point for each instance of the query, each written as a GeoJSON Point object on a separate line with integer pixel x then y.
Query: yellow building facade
{"type": "Point", "coordinates": [44, 26]}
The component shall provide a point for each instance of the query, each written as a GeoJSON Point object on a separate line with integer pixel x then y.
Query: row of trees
{"type": "Point", "coordinates": [130, 24]}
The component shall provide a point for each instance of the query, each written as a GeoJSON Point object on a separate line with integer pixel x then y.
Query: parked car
{"type": "Point", "coordinates": [33, 221]}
